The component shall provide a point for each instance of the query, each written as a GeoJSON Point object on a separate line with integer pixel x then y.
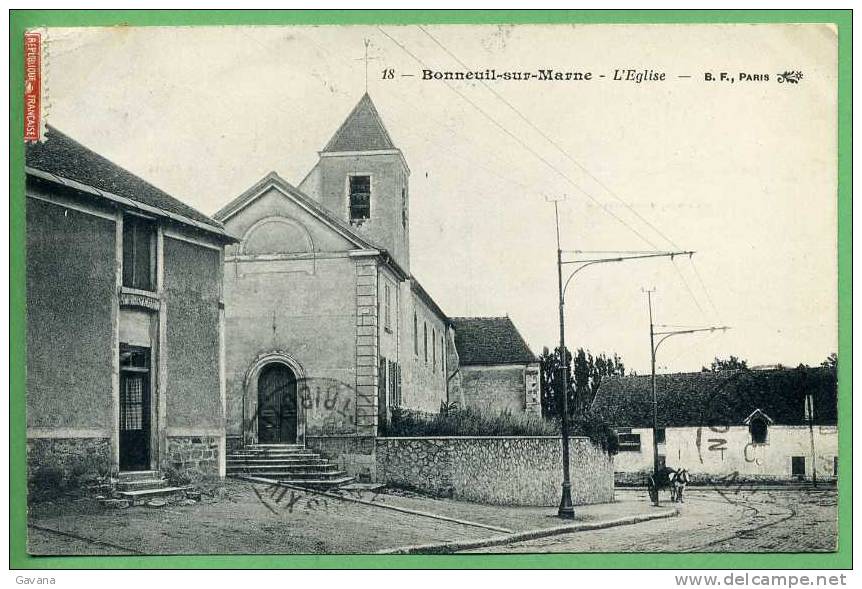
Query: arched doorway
{"type": "Point", "coordinates": [276, 404]}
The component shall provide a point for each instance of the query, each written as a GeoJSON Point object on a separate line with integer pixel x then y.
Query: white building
{"type": "Point", "coordinates": [746, 425]}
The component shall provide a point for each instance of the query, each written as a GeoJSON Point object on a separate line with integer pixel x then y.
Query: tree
{"type": "Point", "coordinates": [583, 383]}
{"type": "Point", "coordinates": [831, 361]}
{"type": "Point", "coordinates": [732, 363]}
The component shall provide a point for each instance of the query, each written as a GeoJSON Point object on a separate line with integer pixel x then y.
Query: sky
{"type": "Point", "coordinates": [743, 173]}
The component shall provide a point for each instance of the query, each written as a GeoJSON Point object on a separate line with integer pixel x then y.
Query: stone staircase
{"type": "Point", "coordinates": [144, 485]}
{"type": "Point", "coordinates": [289, 463]}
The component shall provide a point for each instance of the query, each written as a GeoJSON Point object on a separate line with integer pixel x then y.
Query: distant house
{"type": "Point", "coordinates": [498, 371]}
{"type": "Point", "coordinates": [745, 424]}
{"type": "Point", "coordinates": [124, 320]}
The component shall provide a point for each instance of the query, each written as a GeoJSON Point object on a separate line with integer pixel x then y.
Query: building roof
{"type": "Point", "coordinates": [719, 398]}
{"type": "Point", "coordinates": [490, 340]}
{"type": "Point", "coordinates": [363, 130]}
{"type": "Point", "coordinates": [61, 156]}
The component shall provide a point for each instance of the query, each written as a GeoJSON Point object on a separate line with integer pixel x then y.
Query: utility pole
{"type": "Point", "coordinates": [663, 335]}
{"type": "Point", "coordinates": [809, 404]}
{"type": "Point", "coordinates": [583, 259]}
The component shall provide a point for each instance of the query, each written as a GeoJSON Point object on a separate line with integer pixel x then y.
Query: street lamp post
{"type": "Point", "coordinates": [653, 350]}
{"type": "Point", "coordinates": [566, 510]}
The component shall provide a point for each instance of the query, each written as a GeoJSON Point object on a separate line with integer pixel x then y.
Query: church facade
{"type": "Point", "coordinates": [327, 330]}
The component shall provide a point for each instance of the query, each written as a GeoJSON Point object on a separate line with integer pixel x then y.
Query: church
{"type": "Point", "coordinates": [326, 328]}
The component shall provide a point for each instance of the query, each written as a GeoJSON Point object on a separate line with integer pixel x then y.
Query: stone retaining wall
{"type": "Point", "coordinates": [196, 457]}
{"type": "Point", "coordinates": [353, 454]}
{"type": "Point", "coordinates": [496, 470]}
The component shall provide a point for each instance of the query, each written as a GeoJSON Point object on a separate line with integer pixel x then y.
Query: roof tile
{"type": "Point", "coordinates": [62, 156]}
{"type": "Point", "coordinates": [490, 340]}
{"type": "Point", "coordinates": [719, 398]}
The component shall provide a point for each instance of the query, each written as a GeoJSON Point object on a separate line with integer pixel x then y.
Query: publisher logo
{"type": "Point", "coordinates": [32, 86]}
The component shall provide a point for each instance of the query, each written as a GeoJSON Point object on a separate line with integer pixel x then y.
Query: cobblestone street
{"type": "Point", "coordinates": [710, 520]}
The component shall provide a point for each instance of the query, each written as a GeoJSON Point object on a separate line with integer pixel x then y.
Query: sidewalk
{"type": "Point", "coordinates": [257, 518]}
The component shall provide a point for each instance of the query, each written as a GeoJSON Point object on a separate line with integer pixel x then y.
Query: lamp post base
{"type": "Point", "coordinates": [566, 511]}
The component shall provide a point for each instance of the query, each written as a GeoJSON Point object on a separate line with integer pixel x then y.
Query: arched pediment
{"type": "Point", "coordinates": [277, 235]}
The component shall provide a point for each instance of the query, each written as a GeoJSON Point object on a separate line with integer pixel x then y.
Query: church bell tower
{"type": "Point", "coordinates": [362, 178]}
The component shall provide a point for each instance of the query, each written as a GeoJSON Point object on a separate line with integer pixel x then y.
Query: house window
{"type": "Point", "coordinates": [415, 335]}
{"type": "Point", "coordinates": [660, 435]}
{"type": "Point", "coordinates": [387, 308]}
{"type": "Point", "coordinates": [759, 430]}
{"type": "Point", "coordinates": [360, 198]}
{"type": "Point", "coordinates": [797, 466]}
{"type": "Point", "coordinates": [434, 348]}
{"type": "Point", "coordinates": [425, 338]}
{"type": "Point", "coordinates": [630, 442]}
{"type": "Point", "coordinates": [139, 253]}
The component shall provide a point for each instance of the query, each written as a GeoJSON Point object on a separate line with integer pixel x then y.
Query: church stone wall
{"type": "Point", "coordinates": [425, 385]}
{"type": "Point", "coordinates": [496, 470]}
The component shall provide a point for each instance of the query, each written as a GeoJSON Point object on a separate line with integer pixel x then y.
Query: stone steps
{"type": "Point", "coordinates": [289, 463]}
{"type": "Point", "coordinates": [141, 496]}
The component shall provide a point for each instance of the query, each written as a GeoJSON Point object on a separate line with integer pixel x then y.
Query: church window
{"type": "Point", "coordinates": [360, 198]}
{"type": "Point", "coordinates": [415, 335]}
{"type": "Point", "coordinates": [425, 337]}
{"type": "Point", "coordinates": [139, 253]}
{"type": "Point", "coordinates": [387, 308]}
{"type": "Point", "coordinates": [434, 348]}
{"type": "Point", "coordinates": [404, 208]}
{"type": "Point", "coordinates": [442, 367]}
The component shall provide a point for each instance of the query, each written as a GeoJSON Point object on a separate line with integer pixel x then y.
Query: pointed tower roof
{"type": "Point", "coordinates": [363, 130]}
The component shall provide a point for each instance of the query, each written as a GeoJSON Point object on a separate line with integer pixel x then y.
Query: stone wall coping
{"type": "Point", "coordinates": [338, 436]}
{"type": "Point", "coordinates": [481, 438]}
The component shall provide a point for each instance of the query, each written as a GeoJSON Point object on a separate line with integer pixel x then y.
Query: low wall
{"type": "Point", "coordinates": [353, 453]}
{"type": "Point", "coordinates": [496, 470]}
{"type": "Point", "coordinates": [56, 464]}
{"type": "Point", "coordinates": [196, 457]}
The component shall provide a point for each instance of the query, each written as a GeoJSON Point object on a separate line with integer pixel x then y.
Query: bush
{"type": "Point", "coordinates": [466, 422]}
{"type": "Point", "coordinates": [599, 433]}
{"type": "Point", "coordinates": [454, 421]}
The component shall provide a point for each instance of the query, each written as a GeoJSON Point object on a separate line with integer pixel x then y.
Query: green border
{"type": "Point", "coordinates": [24, 19]}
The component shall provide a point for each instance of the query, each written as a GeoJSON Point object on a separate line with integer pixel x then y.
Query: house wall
{"type": "Point", "coordinates": [494, 389]}
{"type": "Point", "coordinates": [70, 297]}
{"type": "Point", "coordinates": [77, 316]}
{"type": "Point", "coordinates": [712, 454]}
{"type": "Point", "coordinates": [195, 412]}
{"type": "Point", "coordinates": [496, 470]}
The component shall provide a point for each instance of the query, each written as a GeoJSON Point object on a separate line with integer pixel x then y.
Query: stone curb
{"type": "Point", "coordinates": [458, 545]}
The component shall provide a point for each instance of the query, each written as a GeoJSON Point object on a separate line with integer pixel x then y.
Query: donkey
{"type": "Point", "coordinates": [678, 483]}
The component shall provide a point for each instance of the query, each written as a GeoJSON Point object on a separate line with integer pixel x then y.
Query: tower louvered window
{"type": "Point", "coordinates": [360, 198]}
